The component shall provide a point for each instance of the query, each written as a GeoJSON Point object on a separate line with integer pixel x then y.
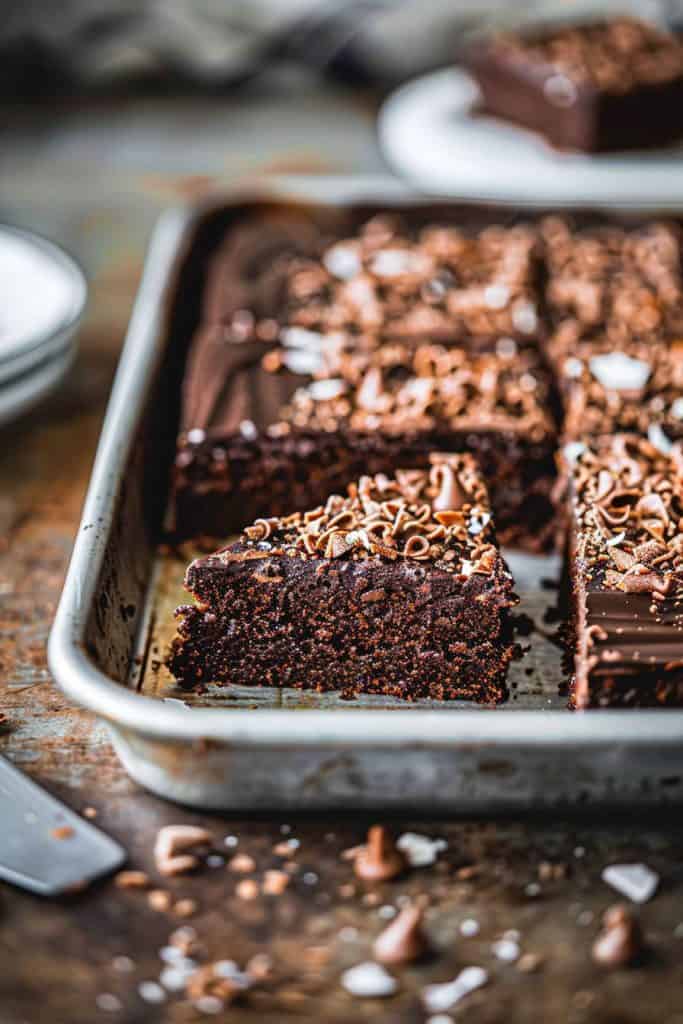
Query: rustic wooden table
{"type": "Point", "coordinates": [94, 179]}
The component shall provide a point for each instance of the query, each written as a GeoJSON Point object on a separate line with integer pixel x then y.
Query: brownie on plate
{"type": "Point", "coordinates": [397, 588]}
{"type": "Point", "coordinates": [626, 565]}
{"type": "Point", "coordinates": [270, 428]}
{"type": "Point", "coordinates": [598, 86]}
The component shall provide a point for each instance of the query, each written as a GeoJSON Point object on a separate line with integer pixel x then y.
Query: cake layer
{"type": "Point", "coordinates": [397, 588]}
{"type": "Point", "coordinates": [626, 563]}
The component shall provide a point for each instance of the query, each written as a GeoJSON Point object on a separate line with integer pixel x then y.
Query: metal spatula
{"type": "Point", "coordinates": [44, 846]}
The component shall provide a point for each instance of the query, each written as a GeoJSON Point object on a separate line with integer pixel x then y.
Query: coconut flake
{"type": "Point", "coordinates": [635, 881]}
{"type": "Point", "coordinates": [299, 337]}
{"type": "Point", "coordinates": [420, 851]}
{"type": "Point", "coordinates": [437, 998]}
{"type": "Point", "coordinates": [303, 361]}
{"type": "Point", "coordinates": [573, 367]}
{"type": "Point", "coordinates": [324, 390]}
{"type": "Point", "coordinates": [658, 438]}
{"type": "Point", "coordinates": [478, 523]}
{"type": "Point", "coordinates": [617, 539]}
{"type": "Point", "coordinates": [506, 949]}
{"type": "Point", "coordinates": [393, 262]}
{"type": "Point", "coordinates": [369, 981]}
{"type": "Point", "coordinates": [676, 409]}
{"type": "Point", "coordinates": [342, 261]}
{"type": "Point", "coordinates": [619, 372]}
{"type": "Point", "coordinates": [469, 927]}
{"type": "Point", "coordinates": [497, 296]}
{"type": "Point", "coordinates": [573, 451]}
{"type": "Point", "coordinates": [151, 992]}
{"type": "Point", "coordinates": [524, 318]}
{"type": "Point", "coordinates": [248, 429]}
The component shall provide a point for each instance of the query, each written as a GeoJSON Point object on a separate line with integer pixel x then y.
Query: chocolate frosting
{"type": "Point", "coordinates": [612, 56]}
{"type": "Point", "coordinates": [441, 515]}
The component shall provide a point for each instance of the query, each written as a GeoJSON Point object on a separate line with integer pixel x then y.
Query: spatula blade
{"type": "Point", "coordinates": [44, 846]}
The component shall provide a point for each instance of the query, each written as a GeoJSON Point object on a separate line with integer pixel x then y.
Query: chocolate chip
{"type": "Point", "coordinates": [621, 942]}
{"type": "Point", "coordinates": [403, 941]}
{"type": "Point", "coordinates": [379, 860]}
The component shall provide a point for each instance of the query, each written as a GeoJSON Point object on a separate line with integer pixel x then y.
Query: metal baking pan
{"type": "Point", "coordinates": [286, 749]}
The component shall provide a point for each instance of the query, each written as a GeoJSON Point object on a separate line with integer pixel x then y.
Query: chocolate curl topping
{"type": "Point", "coordinates": [451, 495]}
{"type": "Point", "coordinates": [392, 518]}
{"type": "Point", "coordinates": [629, 503]}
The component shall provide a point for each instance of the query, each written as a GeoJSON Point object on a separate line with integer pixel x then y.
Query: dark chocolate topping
{"type": "Point", "coordinates": [613, 56]}
{"type": "Point", "coordinates": [438, 283]}
{"type": "Point", "coordinates": [441, 515]}
{"type": "Point", "coordinates": [397, 388]}
{"type": "Point", "coordinates": [634, 389]}
{"type": "Point", "coordinates": [312, 382]}
{"type": "Point", "coordinates": [626, 284]}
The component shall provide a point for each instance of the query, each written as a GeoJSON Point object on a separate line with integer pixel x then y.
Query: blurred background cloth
{"type": "Point", "coordinates": [81, 45]}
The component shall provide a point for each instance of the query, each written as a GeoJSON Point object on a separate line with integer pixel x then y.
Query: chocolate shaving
{"type": "Point", "coordinates": [393, 519]}
{"type": "Point", "coordinates": [632, 519]}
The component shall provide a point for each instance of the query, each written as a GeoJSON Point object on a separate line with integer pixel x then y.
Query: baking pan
{"type": "Point", "coordinates": [286, 750]}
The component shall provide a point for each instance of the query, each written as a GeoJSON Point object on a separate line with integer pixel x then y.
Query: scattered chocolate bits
{"type": "Point", "coordinates": [420, 850]}
{"type": "Point", "coordinates": [131, 880]}
{"type": "Point", "coordinates": [439, 998]}
{"type": "Point", "coordinates": [242, 863]}
{"type": "Point", "coordinates": [172, 841]}
{"type": "Point", "coordinates": [403, 941]}
{"type": "Point", "coordinates": [369, 981]}
{"type": "Point", "coordinates": [380, 860]}
{"type": "Point", "coordinates": [621, 942]}
{"type": "Point", "coordinates": [247, 889]}
{"type": "Point", "coordinates": [635, 881]}
{"type": "Point", "coordinates": [159, 899]}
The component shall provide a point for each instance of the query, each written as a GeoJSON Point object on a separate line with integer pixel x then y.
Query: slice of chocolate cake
{"type": "Point", "coordinates": [626, 564]}
{"type": "Point", "coordinates": [398, 589]}
{"type": "Point", "coordinates": [598, 86]}
{"type": "Point", "coordinates": [271, 428]}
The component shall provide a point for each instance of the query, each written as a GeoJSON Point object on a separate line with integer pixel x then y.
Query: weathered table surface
{"type": "Point", "coordinates": [95, 178]}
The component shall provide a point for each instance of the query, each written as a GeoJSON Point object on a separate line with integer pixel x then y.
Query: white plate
{"type": "Point", "coordinates": [430, 136]}
{"type": "Point", "coordinates": [42, 298]}
{"type": "Point", "coordinates": [22, 394]}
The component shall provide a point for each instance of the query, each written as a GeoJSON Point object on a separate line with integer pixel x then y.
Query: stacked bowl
{"type": "Point", "coordinates": [42, 298]}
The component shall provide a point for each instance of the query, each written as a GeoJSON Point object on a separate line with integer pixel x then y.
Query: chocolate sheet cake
{"type": "Point", "coordinates": [626, 563]}
{"type": "Point", "coordinates": [331, 356]}
{"type": "Point", "coordinates": [603, 85]}
{"type": "Point", "coordinates": [357, 360]}
{"type": "Point", "coordinates": [396, 588]}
